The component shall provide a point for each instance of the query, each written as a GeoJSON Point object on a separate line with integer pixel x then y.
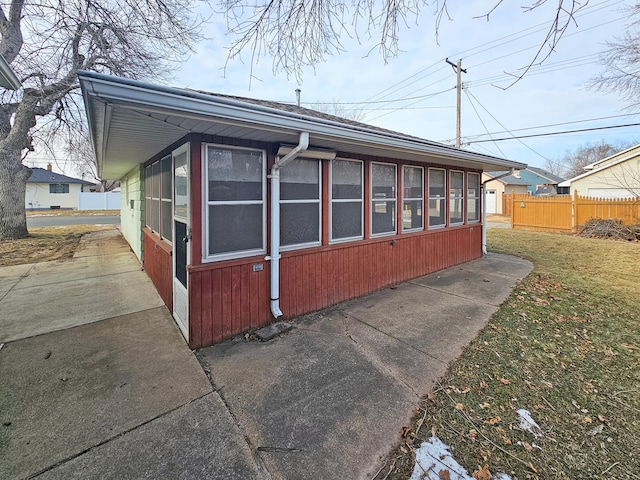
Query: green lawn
{"type": "Point", "coordinates": [565, 346]}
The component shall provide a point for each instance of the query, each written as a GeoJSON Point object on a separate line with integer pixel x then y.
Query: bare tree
{"type": "Point", "coordinates": [621, 61]}
{"type": "Point", "coordinates": [338, 109]}
{"type": "Point", "coordinates": [80, 152]}
{"type": "Point", "coordinates": [554, 166]}
{"type": "Point", "coordinates": [297, 33]}
{"type": "Point", "coordinates": [46, 42]}
{"type": "Point", "coordinates": [574, 162]}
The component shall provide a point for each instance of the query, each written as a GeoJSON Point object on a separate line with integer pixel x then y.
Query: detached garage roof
{"type": "Point", "coordinates": [130, 121]}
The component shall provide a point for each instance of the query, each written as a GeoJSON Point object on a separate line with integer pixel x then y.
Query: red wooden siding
{"type": "Point", "coordinates": [157, 264]}
{"type": "Point", "coordinates": [227, 299]}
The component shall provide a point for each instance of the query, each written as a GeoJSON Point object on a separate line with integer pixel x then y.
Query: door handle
{"type": "Point", "coordinates": [187, 237]}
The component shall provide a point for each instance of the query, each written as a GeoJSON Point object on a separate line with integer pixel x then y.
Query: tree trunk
{"type": "Point", "coordinates": [13, 184]}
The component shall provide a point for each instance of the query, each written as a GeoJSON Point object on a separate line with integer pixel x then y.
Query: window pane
{"type": "Point", "coordinates": [166, 220]}
{"type": "Point", "coordinates": [455, 211]}
{"type": "Point", "coordinates": [456, 184]}
{"type": "Point", "coordinates": [412, 214]}
{"type": "Point", "coordinates": [155, 215]}
{"type": "Point", "coordinates": [383, 217]}
{"type": "Point", "coordinates": [299, 180]}
{"type": "Point", "coordinates": [234, 228]}
{"type": "Point", "coordinates": [58, 188]}
{"type": "Point", "coordinates": [181, 253]}
{"type": "Point", "coordinates": [473, 197]}
{"type": "Point", "coordinates": [155, 180]}
{"type": "Point", "coordinates": [436, 183]}
{"type": "Point", "coordinates": [474, 184]}
{"type": "Point", "coordinates": [147, 212]}
{"type": "Point", "coordinates": [299, 223]}
{"type": "Point", "coordinates": [165, 174]}
{"type": "Point", "coordinates": [473, 209]}
{"type": "Point", "coordinates": [346, 179]}
{"type": "Point", "coordinates": [436, 212]}
{"type": "Point", "coordinates": [181, 186]}
{"type": "Point", "coordinates": [346, 220]}
{"type": "Point", "coordinates": [234, 174]}
{"type": "Point", "coordinates": [383, 181]}
{"type": "Point", "coordinates": [412, 182]}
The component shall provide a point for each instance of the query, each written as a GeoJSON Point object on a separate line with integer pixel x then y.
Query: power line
{"type": "Point", "coordinates": [469, 137]}
{"type": "Point", "coordinates": [548, 134]}
{"type": "Point", "coordinates": [469, 94]}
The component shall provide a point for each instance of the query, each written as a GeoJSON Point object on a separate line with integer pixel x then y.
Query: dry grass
{"type": "Point", "coordinates": [498, 218]}
{"type": "Point", "coordinates": [565, 346]}
{"type": "Point", "coordinates": [69, 213]}
{"type": "Point", "coordinates": [44, 244]}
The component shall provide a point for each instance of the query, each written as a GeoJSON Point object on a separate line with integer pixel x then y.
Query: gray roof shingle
{"type": "Point", "coordinates": [42, 175]}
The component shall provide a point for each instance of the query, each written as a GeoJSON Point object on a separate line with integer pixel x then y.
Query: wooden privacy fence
{"type": "Point", "coordinates": [507, 204]}
{"type": "Point", "coordinates": [565, 212]}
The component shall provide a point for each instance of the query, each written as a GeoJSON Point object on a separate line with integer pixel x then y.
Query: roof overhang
{"type": "Point", "coordinates": [131, 121]}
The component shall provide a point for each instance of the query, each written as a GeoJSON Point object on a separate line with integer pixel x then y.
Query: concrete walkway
{"type": "Point", "coordinates": [124, 397]}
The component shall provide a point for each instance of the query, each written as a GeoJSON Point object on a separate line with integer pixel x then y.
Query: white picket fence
{"type": "Point", "coordinates": [99, 201]}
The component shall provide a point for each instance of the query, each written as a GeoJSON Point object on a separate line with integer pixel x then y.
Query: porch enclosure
{"type": "Point", "coordinates": [349, 226]}
{"type": "Point", "coordinates": [565, 212]}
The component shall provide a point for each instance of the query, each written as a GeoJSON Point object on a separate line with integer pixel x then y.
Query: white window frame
{"type": "Point", "coordinates": [409, 230]}
{"type": "Point", "coordinates": [346, 200]}
{"type": "Point", "coordinates": [206, 257]}
{"type": "Point", "coordinates": [147, 196]}
{"type": "Point", "coordinates": [460, 198]}
{"type": "Point", "coordinates": [169, 239]}
{"type": "Point", "coordinates": [155, 178]}
{"type": "Point", "coordinates": [373, 201]}
{"type": "Point", "coordinates": [475, 198]}
{"type": "Point", "coordinates": [440, 199]}
{"type": "Point", "coordinates": [298, 246]}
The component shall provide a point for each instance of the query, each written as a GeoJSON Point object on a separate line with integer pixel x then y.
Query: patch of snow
{"type": "Point", "coordinates": [433, 456]}
{"type": "Point", "coordinates": [528, 424]}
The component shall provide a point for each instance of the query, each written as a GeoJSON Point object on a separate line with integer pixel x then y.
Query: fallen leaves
{"type": "Point", "coordinates": [482, 473]}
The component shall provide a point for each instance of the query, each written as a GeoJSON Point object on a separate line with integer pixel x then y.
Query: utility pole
{"type": "Point", "coordinates": [458, 68]}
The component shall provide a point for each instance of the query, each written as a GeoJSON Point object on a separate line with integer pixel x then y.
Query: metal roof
{"type": "Point", "coordinates": [130, 121]}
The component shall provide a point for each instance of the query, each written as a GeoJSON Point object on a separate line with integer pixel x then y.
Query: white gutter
{"type": "Point", "coordinates": [484, 209]}
{"type": "Point", "coordinates": [149, 97]}
{"type": "Point", "coordinates": [303, 144]}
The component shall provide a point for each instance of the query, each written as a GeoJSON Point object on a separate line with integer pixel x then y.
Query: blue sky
{"type": "Point", "coordinates": [552, 93]}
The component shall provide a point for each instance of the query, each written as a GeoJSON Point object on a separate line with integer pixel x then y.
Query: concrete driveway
{"type": "Point", "coordinates": [96, 381]}
{"type": "Point", "coordinates": [328, 399]}
{"type": "Point", "coordinates": [100, 383]}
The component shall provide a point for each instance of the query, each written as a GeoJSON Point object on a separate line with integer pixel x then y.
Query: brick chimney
{"type": "Point", "coordinates": [49, 167]}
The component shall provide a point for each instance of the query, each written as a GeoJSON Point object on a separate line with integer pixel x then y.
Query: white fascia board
{"type": "Point", "coordinates": [603, 168]}
{"type": "Point", "coordinates": [166, 100]}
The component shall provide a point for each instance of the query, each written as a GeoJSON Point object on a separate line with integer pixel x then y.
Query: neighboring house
{"type": "Point", "coordinates": [246, 210]}
{"type": "Point", "coordinates": [617, 176]}
{"type": "Point", "coordinates": [540, 181]}
{"type": "Point", "coordinates": [495, 189]}
{"type": "Point", "coordinates": [49, 190]}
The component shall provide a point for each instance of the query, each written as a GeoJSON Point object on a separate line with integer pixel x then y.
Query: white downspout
{"type": "Point", "coordinates": [484, 209]}
{"type": "Point", "coordinates": [303, 144]}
